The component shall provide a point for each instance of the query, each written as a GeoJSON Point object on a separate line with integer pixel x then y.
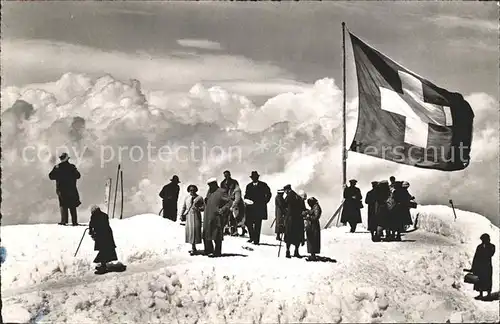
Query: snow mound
{"type": "Point", "coordinates": [360, 281]}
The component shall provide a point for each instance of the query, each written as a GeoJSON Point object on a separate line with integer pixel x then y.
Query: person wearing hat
{"type": "Point", "coordinates": [294, 222]}
{"type": "Point", "coordinates": [191, 214]}
{"type": "Point", "coordinates": [260, 193]}
{"type": "Point", "coordinates": [217, 206]}
{"type": "Point", "coordinates": [102, 234]}
{"type": "Point", "coordinates": [170, 196]}
{"type": "Point", "coordinates": [409, 203]}
{"type": "Point", "coordinates": [66, 175]}
{"type": "Point", "coordinates": [482, 267]}
{"type": "Point", "coordinates": [400, 212]}
{"type": "Point", "coordinates": [353, 202]}
{"type": "Point", "coordinates": [279, 212]}
{"type": "Point", "coordinates": [370, 201]}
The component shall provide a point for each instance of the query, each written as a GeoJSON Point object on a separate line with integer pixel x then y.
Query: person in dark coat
{"type": "Point", "coordinates": [351, 213]}
{"type": "Point", "coordinates": [217, 204]}
{"type": "Point", "coordinates": [279, 214]}
{"type": "Point", "coordinates": [371, 202]}
{"type": "Point", "coordinates": [408, 198]}
{"type": "Point", "coordinates": [102, 234]}
{"type": "Point", "coordinates": [482, 266]}
{"type": "Point", "coordinates": [383, 192]}
{"type": "Point", "coordinates": [66, 175]}
{"type": "Point", "coordinates": [313, 228]}
{"type": "Point", "coordinates": [260, 193]}
{"type": "Point", "coordinates": [170, 195]}
{"type": "Point", "coordinates": [294, 223]}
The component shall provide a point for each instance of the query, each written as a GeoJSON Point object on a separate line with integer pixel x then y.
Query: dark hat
{"type": "Point", "coordinates": [485, 237]}
{"type": "Point", "coordinates": [175, 179]}
{"type": "Point", "coordinates": [280, 191]}
{"type": "Point", "coordinates": [312, 200]}
{"type": "Point", "coordinates": [287, 187]}
{"type": "Point", "coordinates": [353, 181]}
{"type": "Point", "coordinates": [254, 174]}
{"type": "Point", "coordinates": [192, 186]}
{"type": "Point", "coordinates": [374, 182]}
{"type": "Point", "coordinates": [64, 157]}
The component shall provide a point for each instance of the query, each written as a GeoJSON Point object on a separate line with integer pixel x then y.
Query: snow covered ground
{"type": "Point", "coordinates": [417, 280]}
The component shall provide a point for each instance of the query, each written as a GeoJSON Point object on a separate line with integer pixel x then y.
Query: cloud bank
{"type": "Point", "coordinates": [292, 138]}
{"type": "Point", "coordinates": [200, 43]}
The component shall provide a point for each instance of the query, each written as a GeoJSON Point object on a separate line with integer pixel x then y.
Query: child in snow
{"type": "Point", "coordinates": [102, 234]}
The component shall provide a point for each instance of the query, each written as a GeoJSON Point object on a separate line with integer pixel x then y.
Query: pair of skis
{"type": "Point", "coordinates": [107, 200]}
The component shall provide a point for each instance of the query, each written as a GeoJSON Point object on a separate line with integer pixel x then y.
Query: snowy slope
{"type": "Point", "coordinates": [417, 280]}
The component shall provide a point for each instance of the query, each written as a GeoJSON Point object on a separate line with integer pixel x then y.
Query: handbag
{"type": "Point", "coordinates": [471, 278]}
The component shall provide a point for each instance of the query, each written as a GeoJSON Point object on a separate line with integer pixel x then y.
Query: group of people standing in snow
{"type": "Point", "coordinates": [388, 208]}
{"type": "Point", "coordinates": [226, 209]}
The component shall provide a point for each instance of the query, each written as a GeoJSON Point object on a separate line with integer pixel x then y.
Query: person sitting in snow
{"type": "Point", "coordinates": [482, 266]}
{"type": "Point", "coordinates": [102, 234]}
{"type": "Point", "coordinates": [66, 175]}
{"type": "Point", "coordinates": [313, 228]}
{"type": "Point", "coordinates": [191, 214]}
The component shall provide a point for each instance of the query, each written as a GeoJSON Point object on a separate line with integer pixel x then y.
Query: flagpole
{"type": "Point", "coordinates": [344, 152]}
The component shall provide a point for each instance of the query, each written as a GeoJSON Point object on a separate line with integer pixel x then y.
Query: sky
{"type": "Point", "coordinates": [256, 49]}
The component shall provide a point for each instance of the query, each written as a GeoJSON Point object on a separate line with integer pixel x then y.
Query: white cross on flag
{"type": "Point", "coordinates": [405, 118]}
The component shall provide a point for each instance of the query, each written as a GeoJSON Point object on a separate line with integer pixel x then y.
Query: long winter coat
{"type": "Point", "coordinates": [191, 209]}
{"type": "Point", "coordinates": [66, 174]}
{"type": "Point", "coordinates": [280, 214]}
{"type": "Point", "coordinates": [260, 194]}
{"type": "Point", "coordinates": [313, 229]}
{"type": "Point", "coordinates": [482, 267]}
{"type": "Point", "coordinates": [170, 195]}
{"type": "Point", "coordinates": [101, 232]}
{"type": "Point", "coordinates": [400, 213]}
{"type": "Point", "coordinates": [371, 202]}
{"type": "Point", "coordinates": [351, 213]}
{"type": "Point", "coordinates": [382, 194]}
{"type": "Point", "coordinates": [238, 206]}
{"type": "Point", "coordinates": [218, 203]}
{"type": "Point", "coordinates": [294, 223]}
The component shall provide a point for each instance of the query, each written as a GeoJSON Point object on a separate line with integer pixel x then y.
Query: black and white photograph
{"type": "Point", "coordinates": [249, 162]}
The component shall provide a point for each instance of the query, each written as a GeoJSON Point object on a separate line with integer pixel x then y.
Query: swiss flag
{"type": "Point", "coordinates": [405, 118]}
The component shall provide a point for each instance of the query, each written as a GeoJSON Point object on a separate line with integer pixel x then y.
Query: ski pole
{"type": "Point", "coordinates": [81, 241]}
{"type": "Point", "coordinates": [453, 207]}
{"type": "Point", "coordinates": [116, 189]}
{"type": "Point", "coordinates": [281, 239]}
